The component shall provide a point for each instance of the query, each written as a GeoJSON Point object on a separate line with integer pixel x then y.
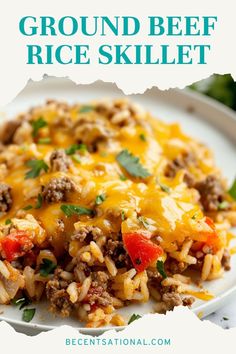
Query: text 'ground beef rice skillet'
{"type": "Point", "coordinates": [102, 205]}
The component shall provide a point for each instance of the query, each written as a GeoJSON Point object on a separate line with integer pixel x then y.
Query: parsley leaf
{"type": "Point", "coordinates": [28, 315]}
{"type": "Point", "coordinates": [85, 109]}
{"type": "Point", "coordinates": [28, 207]}
{"type": "Point", "coordinates": [38, 124]}
{"type": "Point", "coordinates": [232, 190]}
{"type": "Point", "coordinates": [8, 221]}
{"type": "Point", "coordinates": [122, 215]}
{"type": "Point", "coordinates": [70, 210]}
{"type": "Point", "coordinates": [161, 270]}
{"type": "Point", "coordinates": [223, 205]}
{"type": "Point", "coordinates": [133, 318]}
{"type": "Point", "coordinates": [143, 137]}
{"type": "Point", "coordinates": [39, 202]}
{"type": "Point", "coordinates": [21, 302]}
{"type": "Point", "coordinates": [100, 199]}
{"type": "Point", "coordinates": [36, 167]}
{"type": "Point", "coordinates": [143, 221]}
{"type": "Point", "coordinates": [71, 150]}
{"type": "Point", "coordinates": [76, 158]}
{"type": "Point", "coordinates": [123, 178]}
{"type": "Point", "coordinates": [47, 267]}
{"type": "Point", "coordinates": [131, 164]}
{"type": "Point", "coordinates": [44, 141]}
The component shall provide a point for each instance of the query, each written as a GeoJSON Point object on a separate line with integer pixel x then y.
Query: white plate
{"type": "Point", "coordinates": [199, 116]}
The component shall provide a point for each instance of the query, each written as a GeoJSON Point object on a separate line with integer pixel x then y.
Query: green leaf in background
{"type": "Point", "coordinates": [220, 87]}
{"type": "Point", "coordinates": [232, 190]}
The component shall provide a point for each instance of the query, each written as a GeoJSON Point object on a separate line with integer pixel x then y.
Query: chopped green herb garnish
{"type": "Point", "coordinates": [47, 267]}
{"type": "Point", "coordinates": [38, 124]}
{"type": "Point", "coordinates": [70, 210]}
{"type": "Point", "coordinates": [133, 318]}
{"type": "Point", "coordinates": [76, 158]}
{"type": "Point", "coordinates": [225, 318]}
{"type": "Point", "coordinates": [103, 154]}
{"type": "Point", "coordinates": [85, 109]}
{"type": "Point", "coordinates": [232, 190]}
{"type": "Point", "coordinates": [194, 216]}
{"type": "Point", "coordinates": [143, 137]}
{"type": "Point", "coordinates": [223, 205]}
{"type": "Point", "coordinates": [143, 221]}
{"type": "Point", "coordinates": [164, 188]}
{"type": "Point", "coordinates": [161, 270]}
{"type": "Point", "coordinates": [71, 150]}
{"type": "Point", "coordinates": [39, 202]}
{"type": "Point", "coordinates": [131, 164]}
{"type": "Point", "coordinates": [28, 207]}
{"type": "Point", "coordinates": [36, 167]}
{"type": "Point", "coordinates": [8, 221]}
{"type": "Point", "coordinates": [21, 302]}
{"type": "Point", "coordinates": [122, 215]}
{"type": "Point", "coordinates": [123, 178]}
{"type": "Point", "coordinates": [28, 315]}
{"type": "Point", "coordinates": [100, 199]}
{"type": "Point", "coordinates": [44, 141]}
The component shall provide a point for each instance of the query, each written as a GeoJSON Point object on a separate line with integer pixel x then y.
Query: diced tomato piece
{"type": "Point", "coordinates": [15, 245]}
{"type": "Point", "coordinates": [141, 250]}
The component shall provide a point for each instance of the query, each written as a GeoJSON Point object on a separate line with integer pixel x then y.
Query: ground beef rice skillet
{"type": "Point", "coordinates": [102, 206]}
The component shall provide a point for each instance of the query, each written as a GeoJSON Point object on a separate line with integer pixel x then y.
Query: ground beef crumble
{"type": "Point", "coordinates": [57, 189]}
{"type": "Point", "coordinates": [59, 161]}
{"type": "Point", "coordinates": [5, 198]}
{"type": "Point", "coordinates": [89, 233]}
{"type": "Point", "coordinates": [59, 298]}
{"type": "Point", "coordinates": [8, 131]}
{"type": "Point", "coordinates": [115, 249]}
{"type": "Point", "coordinates": [211, 192]}
{"type": "Point", "coordinates": [182, 163]}
{"type": "Point", "coordinates": [226, 260]}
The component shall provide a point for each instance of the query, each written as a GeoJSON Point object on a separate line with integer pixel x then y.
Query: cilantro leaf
{"type": "Point", "coordinates": [28, 207]}
{"type": "Point", "coordinates": [76, 158]}
{"type": "Point", "coordinates": [223, 205]}
{"type": "Point", "coordinates": [142, 137]}
{"type": "Point", "coordinates": [21, 302]}
{"type": "Point", "coordinates": [38, 124]}
{"type": "Point", "coordinates": [131, 164]}
{"type": "Point", "coordinates": [28, 315]}
{"type": "Point", "coordinates": [8, 221]}
{"type": "Point", "coordinates": [161, 270]}
{"type": "Point", "coordinates": [86, 108]}
{"type": "Point", "coordinates": [71, 150]}
{"type": "Point", "coordinates": [47, 267]}
{"type": "Point", "coordinates": [39, 201]}
{"type": "Point", "coordinates": [70, 210]}
{"type": "Point", "coordinates": [100, 199]}
{"type": "Point", "coordinates": [133, 318]}
{"type": "Point", "coordinates": [164, 188]}
{"type": "Point", "coordinates": [123, 178]}
{"type": "Point", "coordinates": [143, 221]}
{"type": "Point", "coordinates": [232, 190]}
{"type": "Point", "coordinates": [44, 141]}
{"type": "Point", "coordinates": [36, 167]}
